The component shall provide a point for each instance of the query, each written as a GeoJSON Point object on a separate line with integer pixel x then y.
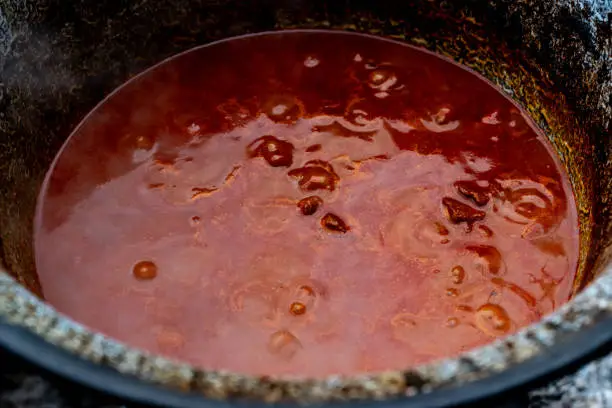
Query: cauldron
{"type": "Point", "coordinates": [59, 58]}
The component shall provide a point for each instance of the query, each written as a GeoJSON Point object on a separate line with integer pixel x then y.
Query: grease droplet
{"type": "Point", "coordinates": [144, 270]}
{"type": "Point", "coordinates": [315, 175]}
{"type": "Point", "coordinates": [297, 308]}
{"type": "Point", "coordinates": [301, 299]}
{"type": "Point", "coordinates": [310, 205]}
{"type": "Point", "coordinates": [198, 192]}
{"type": "Point", "coordinates": [489, 259]}
{"type": "Point", "coordinates": [284, 109]}
{"type": "Point", "coordinates": [441, 229]}
{"type": "Point", "coordinates": [332, 222]}
{"type": "Point", "coordinates": [314, 148]}
{"type": "Point", "coordinates": [492, 319]}
{"type": "Point", "coordinates": [278, 153]}
{"type": "Point", "coordinates": [382, 80]}
{"type": "Point", "coordinates": [458, 274]}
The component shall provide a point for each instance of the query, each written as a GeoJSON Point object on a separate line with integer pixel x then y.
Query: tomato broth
{"type": "Point", "coordinates": [306, 203]}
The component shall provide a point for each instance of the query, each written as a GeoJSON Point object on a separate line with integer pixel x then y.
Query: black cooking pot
{"type": "Point", "coordinates": [59, 58]}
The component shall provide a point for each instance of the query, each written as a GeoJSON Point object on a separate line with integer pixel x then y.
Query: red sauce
{"type": "Point", "coordinates": [306, 203]}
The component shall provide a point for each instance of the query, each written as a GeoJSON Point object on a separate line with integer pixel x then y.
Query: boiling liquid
{"type": "Point", "coordinates": [306, 203]}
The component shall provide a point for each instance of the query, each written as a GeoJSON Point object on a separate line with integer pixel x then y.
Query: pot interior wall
{"type": "Point", "coordinates": [61, 58]}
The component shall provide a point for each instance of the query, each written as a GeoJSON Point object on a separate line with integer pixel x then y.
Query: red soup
{"type": "Point", "coordinates": [306, 203]}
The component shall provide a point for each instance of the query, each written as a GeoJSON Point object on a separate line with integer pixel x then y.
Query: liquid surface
{"type": "Point", "coordinates": [306, 203]}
